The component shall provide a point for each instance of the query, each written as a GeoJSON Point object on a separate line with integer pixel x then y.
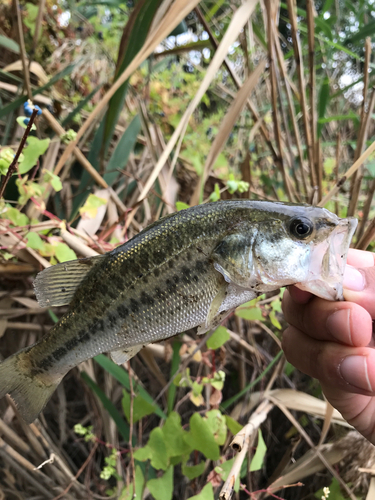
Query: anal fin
{"type": "Point", "coordinates": [122, 355]}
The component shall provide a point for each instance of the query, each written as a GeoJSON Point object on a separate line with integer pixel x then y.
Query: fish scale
{"type": "Point", "coordinates": [187, 270]}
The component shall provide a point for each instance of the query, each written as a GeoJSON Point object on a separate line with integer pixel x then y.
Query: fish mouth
{"type": "Point", "coordinates": [328, 261]}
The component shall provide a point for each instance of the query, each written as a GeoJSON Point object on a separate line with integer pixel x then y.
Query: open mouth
{"type": "Point", "coordinates": [328, 261]}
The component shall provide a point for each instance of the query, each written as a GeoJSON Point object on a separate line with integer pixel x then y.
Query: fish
{"type": "Point", "coordinates": [189, 270]}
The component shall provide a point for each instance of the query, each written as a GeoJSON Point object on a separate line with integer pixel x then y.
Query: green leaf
{"type": "Point", "coordinates": [201, 437]}
{"type": "Point", "coordinates": [122, 376]}
{"type": "Point", "coordinates": [21, 122]}
{"type": "Point", "coordinates": [174, 436]}
{"type": "Point", "coordinates": [124, 147]}
{"type": "Point", "coordinates": [218, 425]}
{"type": "Point", "coordinates": [251, 314]}
{"type": "Point", "coordinates": [207, 493]}
{"type": "Point", "coordinates": [274, 320]}
{"type": "Point", "coordinates": [91, 206]}
{"type": "Point", "coordinates": [16, 217]}
{"type": "Point", "coordinates": [180, 205]}
{"type": "Point", "coordinates": [218, 338]}
{"type": "Point", "coordinates": [322, 103]}
{"type": "Point", "coordinates": [122, 426]}
{"type": "Point", "coordinates": [162, 487]}
{"type": "Point", "coordinates": [64, 253]}
{"type": "Point", "coordinates": [34, 241]}
{"type": "Point", "coordinates": [9, 44]}
{"type": "Point", "coordinates": [193, 471]}
{"type": "Point", "coordinates": [367, 30]}
{"type": "Point", "coordinates": [224, 470]}
{"type": "Point", "coordinates": [128, 492]}
{"type": "Point", "coordinates": [141, 408]}
{"type": "Point", "coordinates": [233, 425]}
{"type": "Point", "coordinates": [155, 450]}
{"type": "Point", "coordinates": [35, 148]}
{"type": "Point", "coordinates": [82, 103]}
{"type": "Point", "coordinates": [257, 461]}
{"type": "Point", "coordinates": [53, 179]}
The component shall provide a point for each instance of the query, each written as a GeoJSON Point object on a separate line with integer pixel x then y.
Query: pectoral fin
{"type": "Point", "coordinates": [122, 355]}
{"type": "Point", "coordinates": [56, 285]}
{"type": "Point", "coordinates": [213, 316]}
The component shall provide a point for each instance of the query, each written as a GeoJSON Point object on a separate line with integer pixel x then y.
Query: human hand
{"type": "Point", "coordinates": [332, 341]}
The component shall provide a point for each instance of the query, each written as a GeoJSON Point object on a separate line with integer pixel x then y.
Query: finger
{"type": "Point", "coordinates": [300, 296]}
{"type": "Point", "coordinates": [350, 369]}
{"type": "Point", "coordinates": [343, 322]}
{"type": "Point", "coordinates": [359, 287]}
{"type": "Point", "coordinates": [356, 409]}
{"type": "Point", "coordinates": [360, 258]}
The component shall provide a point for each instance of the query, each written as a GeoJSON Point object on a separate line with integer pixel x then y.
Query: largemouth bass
{"type": "Point", "coordinates": [188, 270]}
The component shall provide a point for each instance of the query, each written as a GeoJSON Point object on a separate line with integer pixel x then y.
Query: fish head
{"type": "Point", "coordinates": [306, 246]}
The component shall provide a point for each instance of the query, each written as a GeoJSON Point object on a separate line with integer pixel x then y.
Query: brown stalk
{"type": "Point", "coordinates": [237, 82]}
{"type": "Point", "coordinates": [348, 174]}
{"type": "Point", "coordinates": [362, 131]}
{"type": "Point", "coordinates": [282, 65]}
{"type": "Point", "coordinates": [299, 63]}
{"type": "Point", "coordinates": [356, 183]}
{"type": "Point", "coordinates": [38, 25]}
{"type": "Point", "coordinates": [312, 84]}
{"type": "Point", "coordinates": [21, 40]}
{"type": "Point", "coordinates": [13, 166]}
{"type": "Point", "coordinates": [368, 236]}
{"type": "Point", "coordinates": [270, 8]}
{"type": "Point", "coordinates": [366, 209]}
{"type": "Point", "coordinates": [131, 428]}
{"type": "Point", "coordinates": [338, 150]}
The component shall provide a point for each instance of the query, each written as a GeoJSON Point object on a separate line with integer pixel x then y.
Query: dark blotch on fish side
{"type": "Point", "coordinates": [156, 273]}
{"type": "Point", "coordinates": [72, 343]}
{"type": "Point", "coordinates": [147, 299]}
{"type": "Point", "coordinates": [46, 363]}
{"type": "Point", "coordinates": [122, 311]}
{"type": "Point", "coordinates": [134, 305]}
{"type": "Point", "coordinates": [59, 353]}
{"type": "Point", "coordinates": [170, 264]}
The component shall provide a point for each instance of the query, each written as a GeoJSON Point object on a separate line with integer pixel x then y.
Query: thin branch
{"type": "Point", "coordinates": [13, 166]}
{"type": "Point", "coordinates": [26, 73]}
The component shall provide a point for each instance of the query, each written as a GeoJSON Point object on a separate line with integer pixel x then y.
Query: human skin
{"type": "Point", "coordinates": [333, 342]}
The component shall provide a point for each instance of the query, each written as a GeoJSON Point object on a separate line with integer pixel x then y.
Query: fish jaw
{"type": "Point", "coordinates": [328, 261]}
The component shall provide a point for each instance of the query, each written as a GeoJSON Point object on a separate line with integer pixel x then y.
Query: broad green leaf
{"type": "Point", "coordinates": [121, 154]}
{"type": "Point", "coordinates": [218, 425]}
{"type": "Point", "coordinates": [34, 241]}
{"type": "Point", "coordinates": [128, 492]}
{"type": "Point", "coordinates": [233, 425]}
{"type": "Point", "coordinates": [257, 461]}
{"type": "Point", "coordinates": [9, 44]}
{"type": "Point", "coordinates": [193, 471]}
{"type": "Point", "coordinates": [180, 205]}
{"type": "Point", "coordinates": [174, 436]}
{"type": "Point", "coordinates": [64, 253]}
{"type": "Point", "coordinates": [16, 217]}
{"type": "Point", "coordinates": [201, 437]}
{"type": "Point", "coordinates": [207, 493]}
{"type": "Point", "coordinates": [218, 338]}
{"type": "Point", "coordinates": [162, 487]}
{"type": "Point", "coordinates": [155, 450]}
{"type": "Point", "coordinates": [122, 376]}
{"type": "Point", "coordinates": [35, 148]}
{"type": "Point", "coordinates": [251, 314]}
{"type": "Point", "coordinates": [122, 426]}
{"type": "Point", "coordinates": [91, 206]}
{"type": "Point", "coordinates": [274, 320]}
{"type": "Point", "coordinates": [53, 179]}
{"type": "Point", "coordinates": [141, 408]}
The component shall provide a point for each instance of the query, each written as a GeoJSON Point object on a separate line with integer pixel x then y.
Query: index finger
{"type": "Point", "coordinates": [360, 258]}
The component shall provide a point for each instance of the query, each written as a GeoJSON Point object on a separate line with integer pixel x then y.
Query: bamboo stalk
{"type": "Point", "coordinates": [21, 40]}
{"type": "Point", "coordinates": [366, 209]}
{"type": "Point", "coordinates": [338, 151]}
{"type": "Point", "coordinates": [301, 79]}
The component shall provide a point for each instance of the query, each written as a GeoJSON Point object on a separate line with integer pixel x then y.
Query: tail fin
{"type": "Point", "coordinates": [30, 392]}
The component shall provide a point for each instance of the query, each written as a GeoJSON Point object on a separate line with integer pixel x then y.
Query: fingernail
{"type": "Point", "coordinates": [338, 325]}
{"type": "Point", "coordinates": [354, 371]}
{"type": "Point", "coordinates": [353, 279]}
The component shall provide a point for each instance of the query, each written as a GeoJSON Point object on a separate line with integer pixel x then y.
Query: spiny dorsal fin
{"type": "Point", "coordinates": [56, 285]}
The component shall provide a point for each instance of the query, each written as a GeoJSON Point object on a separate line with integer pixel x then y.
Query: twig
{"type": "Point", "coordinates": [348, 174]}
{"type": "Point", "coordinates": [338, 150]}
{"type": "Point", "coordinates": [13, 166]}
{"type": "Point", "coordinates": [366, 209]}
{"type": "Point", "coordinates": [368, 236]}
{"type": "Point", "coordinates": [131, 428]}
{"type": "Point", "coordinates": [256, 419]}
{"type": "Point", "coordinates": [26, 73]}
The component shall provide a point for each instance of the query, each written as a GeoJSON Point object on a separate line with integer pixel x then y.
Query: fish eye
{"type": "Point", "coordinates": [301, 227]}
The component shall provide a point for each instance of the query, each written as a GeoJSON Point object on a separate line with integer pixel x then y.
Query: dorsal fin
{"type": "Point", "coordinates": [56, 285]}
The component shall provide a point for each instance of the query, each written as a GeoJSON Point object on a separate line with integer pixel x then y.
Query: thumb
{"type": "Point", "coordinates": [359, 287]}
